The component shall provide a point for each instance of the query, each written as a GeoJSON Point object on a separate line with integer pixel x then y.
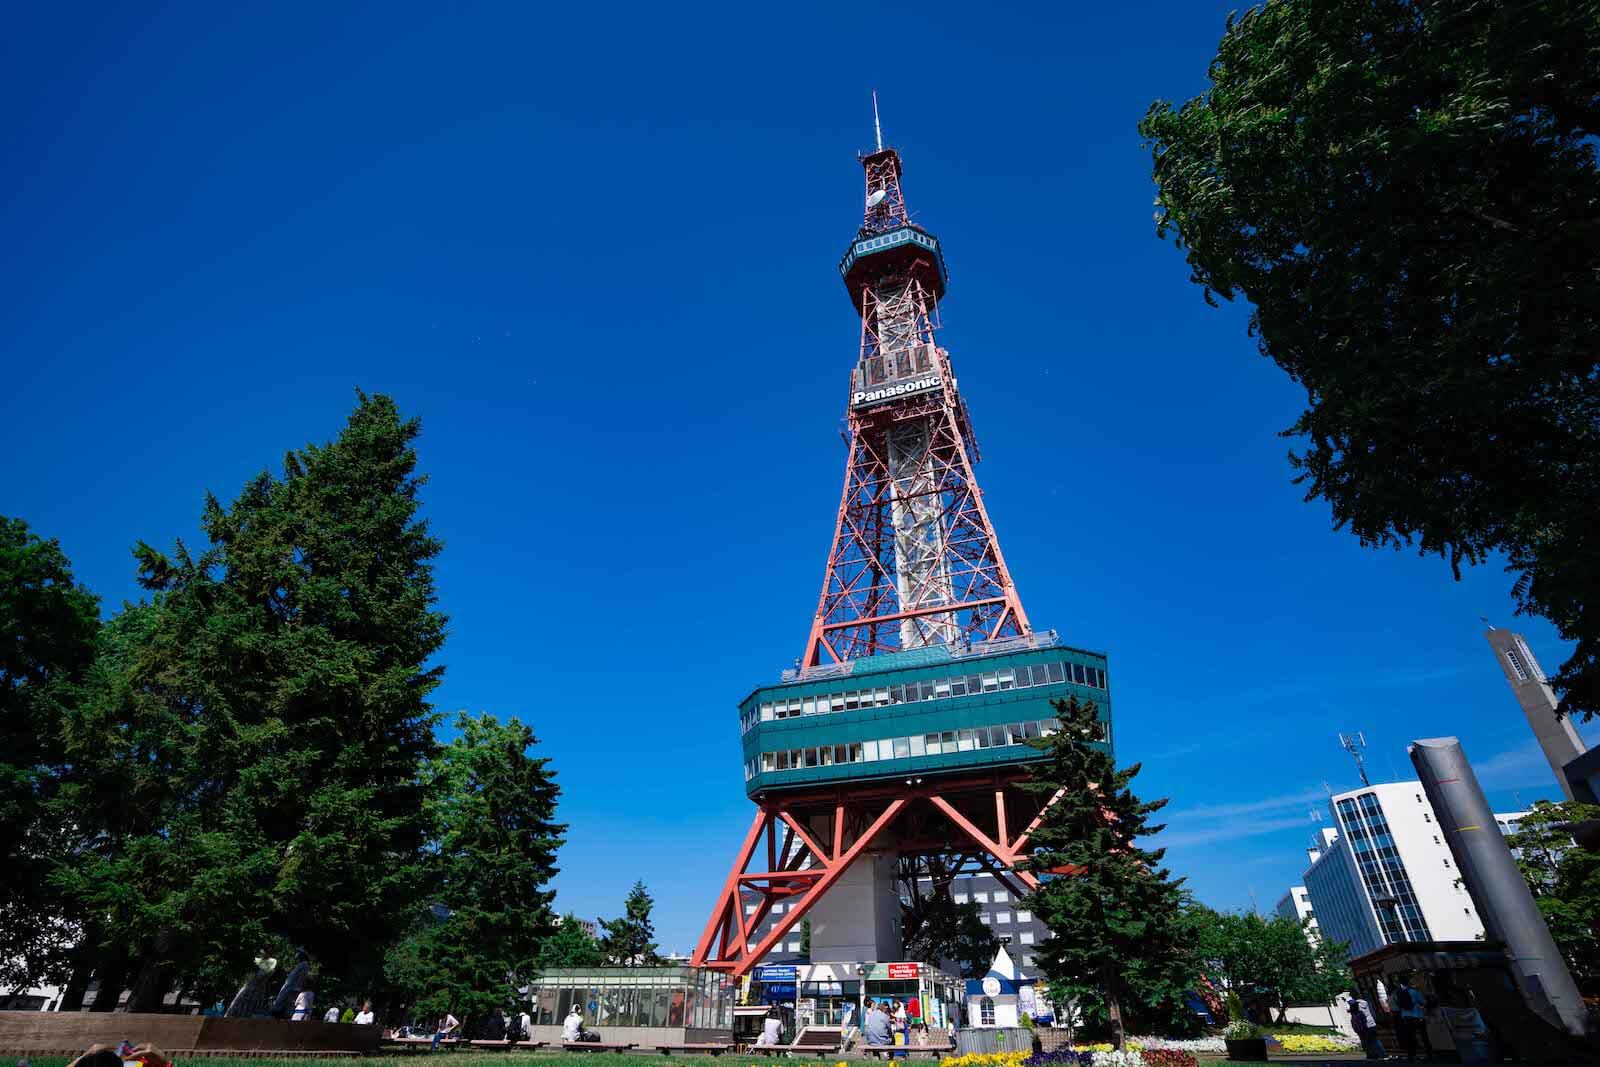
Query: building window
{"type": "Point", "coordinates": [1516, 665]}
{"type": "Point", "coordinates": [1024, 916]}
{"type": "Point", "coordinates": [1002, 917]}
{"type": "Point", "coordinates": [980, 898]}
{"type": "Point", "coordinates": [986, 1011]}
{"type": "Point", "coordinates": [1001, 896]}
{"type": "Point", "coordinates": [1027, 937]}
{"type": "Point", "coordinates": [959, 898]}
{"type": "Point", "coordinates": [1027, 961]}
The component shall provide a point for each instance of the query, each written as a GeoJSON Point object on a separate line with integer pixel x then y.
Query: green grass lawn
{"type": "Point", "coordinates": [533, 1059]}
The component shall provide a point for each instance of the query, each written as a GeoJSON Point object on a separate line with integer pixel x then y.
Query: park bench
{"type": "Point", "coordinates": [809, 1043]}
{"type": "Point", "coordinates": [505, 1043]}
{"type": "Point", "coordinates": [696, 1049]}
{"type": "Point", "coordinates": [414, 1043]}
{"type": "Point", "coordinates": [884, 1051]}
{"type": "Point", "coordinates": [618, 1047]}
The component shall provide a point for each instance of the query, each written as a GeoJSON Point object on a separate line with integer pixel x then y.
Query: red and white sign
{"type": "Point", "coordinates": [903, 970]}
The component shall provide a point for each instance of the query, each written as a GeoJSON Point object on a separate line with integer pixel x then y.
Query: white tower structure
{"type": "Point", "coordinates": [1555, 734]}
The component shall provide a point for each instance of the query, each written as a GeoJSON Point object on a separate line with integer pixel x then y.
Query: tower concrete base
{"type": "Point", "coordinates": [859, 919]}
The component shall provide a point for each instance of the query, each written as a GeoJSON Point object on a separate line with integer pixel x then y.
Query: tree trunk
{"type": "Point", "coordinates": [78, 981]}
{"type": "Point", "coordinates": [1113, 1011]}
{"type": "Point", "coordinates": [149, 989]}
{"type": "Point", "coordinates": [111, 972]}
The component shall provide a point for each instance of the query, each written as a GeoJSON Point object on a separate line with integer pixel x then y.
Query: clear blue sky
{"type": "Point", "coordinates": [594, 248]}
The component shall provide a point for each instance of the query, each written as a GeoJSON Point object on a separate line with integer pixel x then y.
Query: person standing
{"type": "Point", "coordinates": [1366, 1025]}
{"type": "Point", "coordinates": [526, 1033]}
{"type": "Point", "coordinates": [1416, 1017]}
{"type": "Point", "coordinates": [302, 1005]}
{"type": "Point", "coordinates": [364, 1017]}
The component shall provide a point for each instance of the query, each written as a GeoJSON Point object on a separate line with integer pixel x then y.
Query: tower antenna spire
{"type": "Point", "coordinates": [877, 127]}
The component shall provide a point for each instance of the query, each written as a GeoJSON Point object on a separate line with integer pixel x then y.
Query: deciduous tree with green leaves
{"type": "Point", "coordinates": [1565, 880]}
{"type": "Point", "coordinates": [629, 941]}
{"type": "Point", "coordinates": [492, 805]}
{"type": "Point", "coordinates": [1408, 194]}
{"type": "Point", "coordinates": [570, 945]}
{"type": "Point", "coordinates": [1269, 961]}
{"type": "Point", "coordinates": [1119, 946]}
{"type": "Point", "coordinates": [48, 626]}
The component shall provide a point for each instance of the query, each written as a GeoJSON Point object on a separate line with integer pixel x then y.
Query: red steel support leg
{"type": "Point", "coordinates": [730, 890]}
{"type": "Point", "coordinates": [743, 962]}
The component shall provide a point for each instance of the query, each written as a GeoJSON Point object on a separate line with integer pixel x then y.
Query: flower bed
{"type": "Point", "coordinates": [1105, 1057]}
{"type": "Point", "coordinates": [1302, 1044]}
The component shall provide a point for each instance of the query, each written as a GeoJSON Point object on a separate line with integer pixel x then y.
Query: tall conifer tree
{"type": "Point", "coordinates": [630, 940]}
{"type": "Point", "coordinates": [493, 808]}
{"type": "Point", "coordinates": [253, 742]}
{"type": "Point", "coordinates": [1116, 916]}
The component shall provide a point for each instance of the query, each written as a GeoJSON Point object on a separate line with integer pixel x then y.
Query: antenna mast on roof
{"type": "Point", "coordinates": [877, 127]}
{"type": "Point", "coordinates": [1353, 744]}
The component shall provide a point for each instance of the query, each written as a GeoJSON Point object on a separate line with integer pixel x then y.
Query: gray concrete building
{"type": "Point", "coordinates": [1554, 733]}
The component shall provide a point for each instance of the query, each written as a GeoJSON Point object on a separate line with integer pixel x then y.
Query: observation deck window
{"type": "Point", "coordinates": [1015, 677]}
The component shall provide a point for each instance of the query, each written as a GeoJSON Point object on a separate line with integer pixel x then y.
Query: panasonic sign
{"type": "Point", "coordinates": [894, 392]}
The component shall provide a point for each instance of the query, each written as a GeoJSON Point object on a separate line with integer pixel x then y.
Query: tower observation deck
{"type": "Point", "coordinates": [895, 747]}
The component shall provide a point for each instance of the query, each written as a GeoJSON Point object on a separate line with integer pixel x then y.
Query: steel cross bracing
{"type": "Point", "coordinates": [915, 560]}
{"type": "Point", "coordinates": [888, 211]}
{"type": "Point", "coordinates": [812, 839]}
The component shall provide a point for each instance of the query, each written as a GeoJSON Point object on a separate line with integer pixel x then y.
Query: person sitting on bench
{"type": "Point", "coordinates": [771, 1028]}
{"type": "Point", "coordinates": [877, 1026]}
{"type": "Point", "coordinates": [572, 1031]}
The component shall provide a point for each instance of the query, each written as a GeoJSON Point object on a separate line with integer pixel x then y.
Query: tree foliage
{"type": "Point", "coordinates": [492, 810]}
{"type": "Point", "coordinates": [48, 625]}
{"type": "Point", "coordinates": [934, 928]}
{"type": "Point", "coordinates": [1407, 192]}
{"type": "Point", "coordinates": [629, 941]}
{"type": "Point", "coordinates": [248, 752]}
{"type": "Point", "coordinates": [570, 945]}
{"type": "Point", "coordinates": [1269, 961]}
{"type": "Point", "coordinates": [1120, 946]}
{"type": "Point", "coordinates": [1565, 880]}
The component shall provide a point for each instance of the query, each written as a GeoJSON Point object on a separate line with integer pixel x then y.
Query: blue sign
{"type": "Point", "coordinates": [777, 973]}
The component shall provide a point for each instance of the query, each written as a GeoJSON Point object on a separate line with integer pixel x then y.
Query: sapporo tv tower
{"type": "Point", "coordinates": [896, 747]}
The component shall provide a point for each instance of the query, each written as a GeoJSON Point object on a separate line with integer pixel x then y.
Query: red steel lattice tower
{"type": "Point", "coordinates": [899, 745]}
{"type": "Point", "coordinates": [915, 560]}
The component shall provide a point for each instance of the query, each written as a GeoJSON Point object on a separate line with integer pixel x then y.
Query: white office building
{"type": "Point", "coordinates": [1385, 873]}
{"type": "Point", "coordinates": [1296, 905]}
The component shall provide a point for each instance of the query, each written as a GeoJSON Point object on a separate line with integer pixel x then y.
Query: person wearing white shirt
{"type": "Point", "coordinates": [302, 1006]}
{"type": "Point", "coordinates": [527, 1026]}
{"type": "Point", "coordinates": [572, 1026]}
{"type": "Point", "coordinates": [331, 1015]}
{"type": "Point", "coordinates": [447, 1026]}
{"type": "Point", "coordinates": [364, 1017]}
